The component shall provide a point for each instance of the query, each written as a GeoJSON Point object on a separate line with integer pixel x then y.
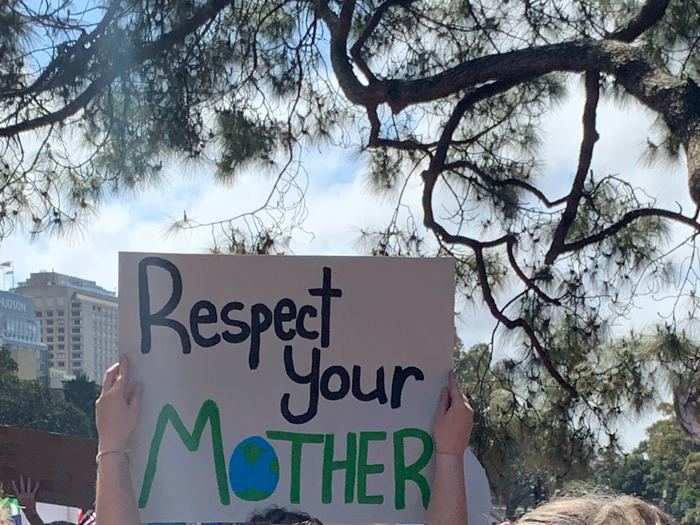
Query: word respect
{"type": "Point", "coordinates": [286, 318]}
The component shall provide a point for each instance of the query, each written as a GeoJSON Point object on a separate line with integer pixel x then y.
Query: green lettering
{"type": "Point", "coordinates": [209, 412]}
{"type": "Point", "coordinates": [404, 473]}
{"type": "Point", "coordinates": [364, 469]}
{"type": "Point", "coordinates": [330, 465]}
{"type": "Point", "coordinates": [297, 439]}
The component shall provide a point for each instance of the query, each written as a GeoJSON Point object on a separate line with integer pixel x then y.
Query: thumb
{"type": "Point", "coordinates": [443, 402]}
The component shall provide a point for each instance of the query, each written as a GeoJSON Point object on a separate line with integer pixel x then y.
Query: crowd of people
{"type": "Point", "coordinates": [117, 412]}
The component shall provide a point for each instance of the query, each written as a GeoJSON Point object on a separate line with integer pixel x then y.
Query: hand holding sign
{"type": "Point", "coordinates": [117, 408]}
{"type": "Point", "coordinates": [454, 418]}
{"type": "Point", "coordinates": [451, 431]}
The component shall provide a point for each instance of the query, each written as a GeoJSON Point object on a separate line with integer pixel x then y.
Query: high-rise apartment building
{"type": "Point", "coordinates": [79, 322]}
{"type": "Point", "coordinates": [20, 333]}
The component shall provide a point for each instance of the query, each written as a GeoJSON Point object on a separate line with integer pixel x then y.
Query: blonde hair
{"type": "Point", "coordinates": [597, 510]}
{"type": "Point", "coordinates": [5, 518]}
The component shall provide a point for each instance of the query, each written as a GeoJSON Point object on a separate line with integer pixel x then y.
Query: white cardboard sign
{"type": "Point", "coordinates": [303, 382]}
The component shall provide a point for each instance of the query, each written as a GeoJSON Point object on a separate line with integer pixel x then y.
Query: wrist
{"type": "Point", "coordinates": [112, 455]}
{"type": "Point", "coordinates": [103, 445]}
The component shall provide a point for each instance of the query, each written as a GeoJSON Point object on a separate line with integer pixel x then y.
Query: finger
{"type": "Point", "coordinates": [22, 485]}
{"type": "Point", "coordinates": [124, 376]}
{"type": "Point", "coordinates": [124, 368]}
{"type": "Point", "coordinates": [36, 489]}
{"type": "Point", "coordinates": [14, 487]}
{"type": "Point", "coordinates": [110, 377]}
{"type": "Point", "coordinates": [443, 402]}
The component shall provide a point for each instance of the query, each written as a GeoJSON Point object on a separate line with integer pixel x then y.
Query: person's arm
{"type": "Point", "coordinates": [116, 413]}
{"type": "Point", "coordinates": [25, 493]}
{"type": "Point", "coordinates": [451, 431]}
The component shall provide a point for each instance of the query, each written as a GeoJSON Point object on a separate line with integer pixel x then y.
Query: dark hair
{"type": "Point", "coordinates": [282, 516]}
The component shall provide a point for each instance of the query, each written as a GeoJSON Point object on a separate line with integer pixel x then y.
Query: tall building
{"type": "Point", "coordinates": [20, 332]}
{"type": "Point", "coordinates": [79, 322]}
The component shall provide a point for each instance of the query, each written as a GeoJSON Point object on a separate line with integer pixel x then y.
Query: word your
{"type": "Point", "coordinates": [254, 466]}
{"type": "Point", "coordinates": [286, 318]}
{"type": "Point", "coordinates": [322, 384]}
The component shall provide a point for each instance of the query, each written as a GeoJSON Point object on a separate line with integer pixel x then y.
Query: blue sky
{"type": "Point", "coordinates": [340, 205]}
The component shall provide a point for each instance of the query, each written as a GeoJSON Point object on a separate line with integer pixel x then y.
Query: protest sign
{"type": "Point", "coordinates": [64, 466]}
{"type": "Point", "coordinates": [303, 382]}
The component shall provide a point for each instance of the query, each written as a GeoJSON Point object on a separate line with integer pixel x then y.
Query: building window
{"type": "Point", "coordinates": [49, 313]}
{"type": "Point", "coordinates": [60, 313]}
{"type": "Point", "coordinates": [75, 364]}
{"type": "Point", "coordinates": [75, 338]}
{"type": "Point", "coordinates": [76, 321]}
{"type": "Point", "coordinates": [75, 330]}
{"type": "Point", "coordinates": [49, 339]}
{"type": "Point", "coordinates": [61, 346]}
{"type": "Point", "coordinates": [76, 347]}
{"type": "Point", "coordinates": [76, 355]}
{"type": "Point", "coordinates": [61, 364]}
{"type": "Point", "coordinates": [61, 330]}
{"type": "Point", "coordinates": [39, 314]}
{"type": "Point", "coordinates": [49, 321]}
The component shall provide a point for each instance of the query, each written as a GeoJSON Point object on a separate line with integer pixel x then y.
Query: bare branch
{"type": "Point", "coordinates": [375, 19]}
{"type": "Point", "coordinates": [627, 219]}
{"type": "Point", "coordinates": [590, 137]}
{"type": "Point", "coordinates": [649, 15]}
{"type": "Point", "coordinates": [541, 352]}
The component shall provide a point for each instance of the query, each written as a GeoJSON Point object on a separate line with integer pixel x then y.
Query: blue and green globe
{"type": "Point", "coordinates": [254, 469]}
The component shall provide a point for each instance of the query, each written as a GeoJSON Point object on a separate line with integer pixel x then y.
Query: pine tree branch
{"type": "Point", "coordinates": [590, 137]}
{"type": "Point", "coordinates": [649, 15]}
{"type": "Point", "coordinates": [117, 67]}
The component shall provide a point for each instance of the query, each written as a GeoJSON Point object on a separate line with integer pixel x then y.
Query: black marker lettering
{"type": "Point", "coordinates": [306, 311]}
{"type": "Point", "coordinates": [244, 329]}
{"type": "Point", "coordinates": [160, 318]}
{"type": "Point", "coordinates": [260, 320]}
{"type": "Point", "coordinates": [401, 374]}
{"type": "Point", "coordinates": [285, 311]}
{"type": "Point", "coordinates": [326, 292]}
{"type": "Point", "coordinates": [208, 317]}
{"type": "Point", "coordinates": [379, 392]}
{"type": "Point", "coordinates": [343, 388]}
{"type": "Point", "coordinates": [310, 379]}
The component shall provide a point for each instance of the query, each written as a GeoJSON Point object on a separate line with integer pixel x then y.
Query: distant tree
{"type": "Point", "coordinates": [664, 468]}
{"type": "Point", "coordinates": [7, 364]}
{"type": "Point", "coordinates": [83, 392]}
{"type": "Point", "coordinates": [511, 434]}
{"type": "Point", "coordinates": [30, 404]}
{"type": "Point", "coordinates": [94, 98]}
